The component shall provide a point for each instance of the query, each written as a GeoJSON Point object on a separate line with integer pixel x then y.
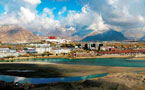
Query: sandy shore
{"type": "Point", "coordinates": [120, 78]}
{"type": "Point", "coordinates": [44, 69]}
{"type": "Point", "coordinates": [104, 56]}
{"type": "Point", "coordinates": [67, 57]}
{"type": "Point", "coordinates": [40, 57]}
{"type": "Point", "coordinates": [137, 58]}
{"type": "Point", "coordinates": [32, 57]}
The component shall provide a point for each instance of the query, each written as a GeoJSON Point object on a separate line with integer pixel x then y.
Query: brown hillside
{"type": "Point", "coordinates": [16, 34]}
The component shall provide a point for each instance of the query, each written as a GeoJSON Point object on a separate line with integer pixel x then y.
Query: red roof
{"type": "Point", "coordinates": [51, 37]}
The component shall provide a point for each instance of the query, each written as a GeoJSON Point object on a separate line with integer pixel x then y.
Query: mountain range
{"type": "Point", "coordinates": [16, 34]}
{"type": "Point", "coordinates": [143, 38]}
{"type": "Point", "coordinates": [110, 35]}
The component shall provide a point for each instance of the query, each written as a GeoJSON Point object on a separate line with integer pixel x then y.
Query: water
{"type": "Point", "coordinates": [46, 80]}
{"type": "Point", "coordinates": [96, 62]}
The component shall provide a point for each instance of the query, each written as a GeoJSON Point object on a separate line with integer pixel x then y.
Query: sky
{"type": "Point", "coordinates": [65, 17]}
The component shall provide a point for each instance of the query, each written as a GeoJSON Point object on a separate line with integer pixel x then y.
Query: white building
{"type": "Point", "coordinates": [40, 45]}
{"type": "Point", "coordinates": [103, 48]}
{"type": "Point", "coordinates": [61, 51]}
{"type": "Point", "coordinates": [42, 50]}
{"type": "Point", "coordinates": [4, 50]}
{"type": "Point", "coordinates": [56, 40]}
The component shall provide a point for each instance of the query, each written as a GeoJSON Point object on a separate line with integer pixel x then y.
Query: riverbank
{"type": "Point", "coordinates": [47, 70]}
{"type": "Point", "coordinates": [130, 57]}
{"type": "Point", "coordinates": [67, 57]}
{"type": "Point", "coordinates": [105, 56]}
{"type": "Point", "coordinates": [142, 57]}
{"type": "Point", "coordinates": [138, 58]}
{"type": "Point", "coordinates": [33, 57]}
{"type": "Point", "coordinates": [119, 78]}
{"type": "Point", "coordinates": [114, 81]}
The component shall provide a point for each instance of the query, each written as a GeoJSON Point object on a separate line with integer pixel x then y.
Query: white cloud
{"type": "Point", "coordinates": [33, 2]}
{"type": "Point", "coordinates": [125, 15]}
{"type": "Point", "coordinates": [136, 33]}
{"type": "Point", "coordinates": [8, 20]}
{"type": "Point", "coordinates": [71, 29]}
{"type": "Point", "coordinates": [25, 15]}
{"type": "Point", "coordinates": [48, 13]}
{"type": "Point", "coordinates": [45, 23]}
{"type": "Point", "coordinates": [97, 15]}
{"type": "Point", "coordinates": [63, 10]}
{"type": "Point", "coordinates": [61, 0]}
{"type": "Point", "coordinates": [111, 2]}
{"type": "Point", "coordinates": [99, 25]}
{"type": "Point", "coordinates": [86, 17]}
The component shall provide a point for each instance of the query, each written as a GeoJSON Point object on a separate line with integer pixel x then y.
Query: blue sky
{"type": "Point", "coordinates": [1, 9]}
{"type": "Point", "coordinates": [71, 16]}
{"type": "Point", "coordinates": [58, 5]}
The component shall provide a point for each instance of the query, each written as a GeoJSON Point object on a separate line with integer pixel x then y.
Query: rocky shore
{"type": "Point", "coordinates": [115, 81]}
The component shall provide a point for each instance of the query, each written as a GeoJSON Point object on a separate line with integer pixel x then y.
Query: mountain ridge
{"type": "Point", "coordinates": [110, 35]}
{"type": "Point", "coordinates": [17, 34]}
{"type": "Point", "coordinates": [143, 38]}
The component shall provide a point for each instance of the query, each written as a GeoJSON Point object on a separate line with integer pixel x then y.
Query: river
{"type": "Point", "coordinates": [93, 62]}
{"type": "Point", "coordinates": [116, 62]}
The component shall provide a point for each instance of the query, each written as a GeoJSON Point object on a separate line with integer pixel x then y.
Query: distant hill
{"type": "Point", "coordinates": [16, 34]}
{"type": "Point", "coordinates": [82, 32]}
{"type": "Point", "coordinates": [110, 35]}
{"type": "Point", "coordinates": [143, 38]}
{"type": "Point", "coordinates": [38, 33]}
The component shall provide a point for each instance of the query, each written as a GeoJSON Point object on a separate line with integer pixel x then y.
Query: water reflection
{"type": "Point", "coordinates": [97, 62]}
{"type": "Point", "coordinates": [115, 62]}
{"type": "Point", "coordinates": [46, 80]}
{"type": "Point", "coordinates": [20, 71]}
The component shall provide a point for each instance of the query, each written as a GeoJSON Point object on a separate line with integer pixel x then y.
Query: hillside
{"type": "Point", "coordinates": [16, 34]}
{"type": "Point", "coordinates": [143, 38]}
{"type": "Point", "coordinates": [110, 35]}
